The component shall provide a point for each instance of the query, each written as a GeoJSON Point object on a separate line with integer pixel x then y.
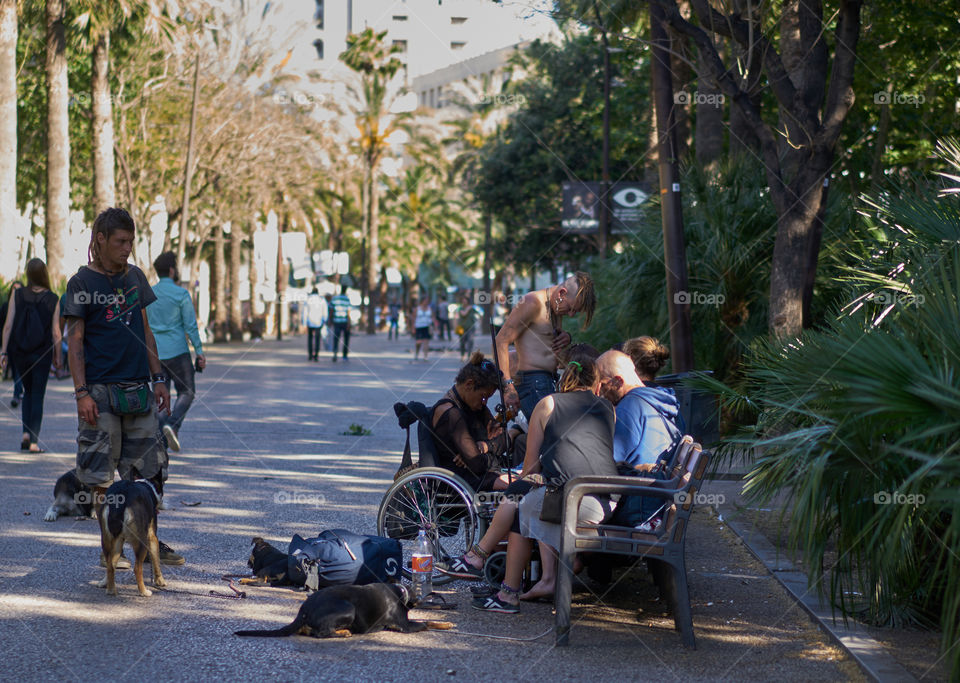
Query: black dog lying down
{"type": "Point", "coordinates": [70, 497]}
{"type": "Point", "coordinates": [269, 564]}
{"type": "Point", "coordinates": [343, 610]}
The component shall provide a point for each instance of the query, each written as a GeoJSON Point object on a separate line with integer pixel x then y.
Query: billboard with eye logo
{"type": "Point", "coordinates": [582, 206]}
{"type": "Point", "coordinates": [626, 206]}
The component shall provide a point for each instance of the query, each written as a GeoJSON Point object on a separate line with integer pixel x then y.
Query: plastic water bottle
{"type": "Point", "coordinates": [422, 567]}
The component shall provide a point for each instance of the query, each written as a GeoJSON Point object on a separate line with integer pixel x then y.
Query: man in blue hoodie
{"type": "Point", "coordinates": [647, 417]}
{"type": "Point", "coordinates": [646, 432]}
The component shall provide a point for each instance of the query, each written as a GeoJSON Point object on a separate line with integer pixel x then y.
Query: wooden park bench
{"type": "Point", "coordinates": [662, 550]}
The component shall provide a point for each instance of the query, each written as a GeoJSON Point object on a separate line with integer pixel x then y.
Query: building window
{"type": "Point", "coordinates": [458, 20]}
{"type": "Point", "coordinates": [399, 17]}
{"type": "Point", "coordinates": [318, 44]}
{"type": "Point", "coordinates": [402, 44]}
{"type": "Point", "coordinates": [457, 45]}
{"type": "Point", "coordinates": [318, 15]}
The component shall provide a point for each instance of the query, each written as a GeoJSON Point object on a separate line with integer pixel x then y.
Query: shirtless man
{"type": "Point", "coordinates": [535, 329]}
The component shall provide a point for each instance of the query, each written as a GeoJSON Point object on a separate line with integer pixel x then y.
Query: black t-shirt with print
{"type": "Point", "coordinates": [111, 307]}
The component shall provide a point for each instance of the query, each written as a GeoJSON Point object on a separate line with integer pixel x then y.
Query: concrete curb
{"type": "Point", "coordinates": [870, 655]}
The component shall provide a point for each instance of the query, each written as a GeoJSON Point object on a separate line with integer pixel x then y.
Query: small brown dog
{"type": "Point", "coordinates": [129, 514]}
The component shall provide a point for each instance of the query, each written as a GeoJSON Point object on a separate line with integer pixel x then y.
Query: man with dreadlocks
{"type": "Point", "coordinates": [535, 328]}
{"type": "Point", "coordinates": [114, 364]}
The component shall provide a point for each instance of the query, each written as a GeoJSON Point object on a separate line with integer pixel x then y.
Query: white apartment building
{"type": "Point", "coordinates": [432, 34]}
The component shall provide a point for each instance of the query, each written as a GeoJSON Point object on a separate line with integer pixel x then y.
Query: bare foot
{"type": "Point", "coordinates": [540, 589]}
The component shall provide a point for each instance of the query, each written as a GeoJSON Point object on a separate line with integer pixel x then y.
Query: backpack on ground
{"type": "Point", "coordinates": [339, 557]}
{"type": "Point", "coordinates": [28, 334]}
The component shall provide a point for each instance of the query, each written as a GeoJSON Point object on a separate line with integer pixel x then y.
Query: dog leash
{"type": "Point", "coordinates": [488, 635]}
{"type": "Point", "coordinates": [237, 593]}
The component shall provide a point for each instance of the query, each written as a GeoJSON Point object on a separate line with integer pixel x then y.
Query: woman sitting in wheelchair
{"type": "Point", "coordinates": [467, 436]}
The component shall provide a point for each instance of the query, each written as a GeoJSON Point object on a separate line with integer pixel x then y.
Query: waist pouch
{"type": "Point", "coordinates": [552, 509]}
{"type": "Point", "coordinates": [129, 398]}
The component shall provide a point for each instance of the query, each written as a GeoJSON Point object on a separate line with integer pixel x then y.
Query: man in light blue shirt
{"type": "Point", "coordinates": [173, 320]}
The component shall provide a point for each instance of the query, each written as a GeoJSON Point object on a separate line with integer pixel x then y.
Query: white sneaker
{"type": "Point", "coordinates": [172, 441]}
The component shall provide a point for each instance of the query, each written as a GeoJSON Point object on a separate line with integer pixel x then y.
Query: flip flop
{"type": "Point", "coordinates": [434, 601]}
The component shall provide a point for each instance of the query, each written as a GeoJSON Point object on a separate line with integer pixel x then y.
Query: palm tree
{"type": "Point", "coordinates": [8, 111]}
{"type": "Point", "coordinates": [57, 213]}
{"type": "Point", "coordinates": [368, 55]}
{"type": "Point", "coordinates": [857, 423]}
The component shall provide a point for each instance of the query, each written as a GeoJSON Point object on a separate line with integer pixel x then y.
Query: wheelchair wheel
{"type": "Point", "coordinates": [495, 568]}
{"type": "Point", "coordinates": [437, 501]}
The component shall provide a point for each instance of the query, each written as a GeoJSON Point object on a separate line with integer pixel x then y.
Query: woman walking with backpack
{"type": "Point", "coordinates": [31, 342]}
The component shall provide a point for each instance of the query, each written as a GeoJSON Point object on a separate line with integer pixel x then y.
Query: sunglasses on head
{"type": "Point", "coordinates": [488, 365]}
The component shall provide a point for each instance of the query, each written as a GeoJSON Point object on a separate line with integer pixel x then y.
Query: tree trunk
{"type": "Point", "coordinates": [796, 231]}
{"type": "Point", "coordinates": [103, 171]}
{"type": "Point", "coordinates": [57, 215]}
{"type": "Point", "coordinates": [188, 166]}
{"type": "Point", "coordinates": [709, 131]}
{"type": "Point", "coordinates": [373, 250]}
{"type": "Point", "coordinates": [220, 286]}
{"type": "Point", "coordinates": [8, 112]}
{"type": "Point", "coordinates": [236, 310]}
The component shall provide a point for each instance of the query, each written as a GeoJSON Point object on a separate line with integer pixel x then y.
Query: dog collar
{"type": "Point", "coordinates": [150, 484]}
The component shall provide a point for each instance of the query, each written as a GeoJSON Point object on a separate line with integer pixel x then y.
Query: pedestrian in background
{"type": "Point", "coordinates": [422, 322]}
{"type": "Point", "coordinates": [467, 318]}
{"type": "Point", "coordinates": [173, 320]}
{"type": "Point", "coordinates": [443, 318]}
{"type": "Point", "coordinates": [393, 331]}
{"type": "Point", "coordinates": [340, 315]}
{"type": "Point", "coordinates": [314, 317]}
{"type": "Point", "coordinates": [31, 342]}
{"type": "Point", "coordinates": [11, 371]}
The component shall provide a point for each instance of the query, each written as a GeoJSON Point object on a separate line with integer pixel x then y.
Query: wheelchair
{"type": "Point", "coordinates": [431, 498]}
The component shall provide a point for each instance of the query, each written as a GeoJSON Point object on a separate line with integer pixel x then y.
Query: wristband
{"type": "Point", "coordinates": [81, 391]}
{"type": "Point", "coordinates": [158, 379]}
{"type": "Point", "coordinates": [508, 381]}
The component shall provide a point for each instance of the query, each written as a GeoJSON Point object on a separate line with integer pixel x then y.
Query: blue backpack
{"type": "Point", "coordinates": [338, 557]}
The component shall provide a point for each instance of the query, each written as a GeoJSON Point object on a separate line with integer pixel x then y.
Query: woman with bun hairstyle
{"type": "Point", "coordinates": [648, 356]}
{"type": "Point", "coordinates": [466, 434]}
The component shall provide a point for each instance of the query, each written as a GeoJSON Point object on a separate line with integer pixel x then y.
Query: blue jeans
{"type": "Point", "coordinates": [341, 330]}
{"type": "Point", "coordinates": [314, 335]}
{"type": "Point", "coordinates": [179, 370]}
{"type": "Point", "coordinates": [533, 385]}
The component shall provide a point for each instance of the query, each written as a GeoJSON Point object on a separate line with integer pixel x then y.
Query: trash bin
{"type": "Point", "coordinates": [697, 408]}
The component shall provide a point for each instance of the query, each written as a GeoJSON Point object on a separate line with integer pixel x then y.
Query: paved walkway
{"type": "Point", "coordinates": [267, 428]}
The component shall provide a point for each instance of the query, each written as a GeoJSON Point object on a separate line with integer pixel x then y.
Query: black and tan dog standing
{"type": "Point", "coordinates": [129, 514]}
{"type": "Point", "coordinates": [340, 611]}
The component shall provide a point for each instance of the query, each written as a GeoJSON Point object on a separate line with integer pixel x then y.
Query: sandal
{"type": "Point", "coordinates": [434, 601]}
{"type": "Point", "coordinates": [25, 444]}
{"type": "Point", "coordinates": [459, 568]}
